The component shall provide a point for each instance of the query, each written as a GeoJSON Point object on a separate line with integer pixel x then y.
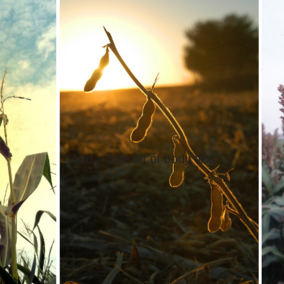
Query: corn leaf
{"type": "Point", "coordinates": [28, 178]}
{"type": "Point", "coordinates": [39, 214]}
{"type": "Point", "coordinates": [6, 276]}
{"type": "Point", "coordinates": [27, 273]}
{"type": "Point", "coordinates": [42, 250]}
{"type": "Point", "coordinates": [6, 237]}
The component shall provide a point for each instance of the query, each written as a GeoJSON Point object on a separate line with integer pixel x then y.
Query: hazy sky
{"type": "Point", "coordinates": [27, 48]}
{"type": "Point", "coordinates": [272, 63]}
{"type": "Point", "coordinates": [150, 35]}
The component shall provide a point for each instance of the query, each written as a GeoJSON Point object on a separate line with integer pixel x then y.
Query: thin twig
{"type": "Point", "coordinates": [210, 175]}
{"type": "Point", "coordinates": [156, 79]}
{"type": "Point", "coordinates": [15, 97]}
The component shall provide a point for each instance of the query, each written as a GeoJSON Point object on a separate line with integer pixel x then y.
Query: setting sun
{"type": "Point", "coordinates": [144, 47]}
{"type": "Point", "coordinates": [150, 41]}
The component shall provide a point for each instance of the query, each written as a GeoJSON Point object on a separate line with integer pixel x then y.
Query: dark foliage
{"type": "Point", "coordinates": [223, 50]}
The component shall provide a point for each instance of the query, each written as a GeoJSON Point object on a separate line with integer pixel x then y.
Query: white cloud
{"type": "Point", "coordinates": [24, 64]}
{"type": "Point", "coordinates": [46, 42]}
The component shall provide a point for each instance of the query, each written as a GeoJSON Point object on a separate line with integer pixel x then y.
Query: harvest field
{"type": "Point", "coordinates": [109, 197]}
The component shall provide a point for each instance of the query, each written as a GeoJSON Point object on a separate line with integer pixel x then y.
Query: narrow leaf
{"type": "Point", "coordinates": [32, 274]}
{"type": "Point", "coordinates": [42, 250]}
{"type": "Point", "coordinates": [27, 273]}
{"type": "Point", "coordinates": [39, 214]}
{"type": "Point", "coordinates": [25, 238]}
{"type": "Point", "coordinates": [6, 276]}
{"type": "Point", "coordinates": [4, 150]}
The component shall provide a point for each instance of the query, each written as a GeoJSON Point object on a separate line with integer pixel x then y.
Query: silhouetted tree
{"type": "Point", "coordinates": [224, 49]}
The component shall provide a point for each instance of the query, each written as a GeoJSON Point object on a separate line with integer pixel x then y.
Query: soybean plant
{"type": "Point", "coordinates": [219, 218]}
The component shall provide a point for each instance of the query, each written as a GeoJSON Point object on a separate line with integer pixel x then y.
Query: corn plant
{"type": "Point", "coordinates": [26, 181]}
{"type": "Point", "coordinates": [219, 211]}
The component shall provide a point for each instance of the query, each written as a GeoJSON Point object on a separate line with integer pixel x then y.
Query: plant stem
{"type": "Point", "coordinates": [210, 175]}
{"type": "Point", "coordinates": [14, 228]}
{"type": "Point", "coordinates": [14, 254]}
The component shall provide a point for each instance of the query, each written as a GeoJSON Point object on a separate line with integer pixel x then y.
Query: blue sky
{"type": "Point", "coordinates": [27, 41]}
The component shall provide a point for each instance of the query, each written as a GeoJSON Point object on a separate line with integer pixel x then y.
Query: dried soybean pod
{"type": "Point", "coordinates": [104, 60]}
{"type": "Point", "coordinates": [216, 209]}
{"type": "Point", "coordinates": [180, 155]}
{"type": "Point", "coordinates": [91, 83]}
{"type": "Point", "coordinates": [226, 222]}
{"type": "Point", "coordinates": [144, 122]}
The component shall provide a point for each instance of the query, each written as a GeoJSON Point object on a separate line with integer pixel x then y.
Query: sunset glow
{"type": "Point", "coordinates": [150, 38]}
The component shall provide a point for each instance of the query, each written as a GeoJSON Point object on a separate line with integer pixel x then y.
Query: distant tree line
{"type": "Point", "coordinates": [224, 51]}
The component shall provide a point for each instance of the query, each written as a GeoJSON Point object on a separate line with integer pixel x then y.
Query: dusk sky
{"type": "Point", "coordinates": [272, 63]}
{"type": "Point", "coordinates": [28, 49]}
{"type": "Point", "coordinates": [150, 36]}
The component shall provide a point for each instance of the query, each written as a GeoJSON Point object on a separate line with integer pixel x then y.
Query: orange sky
{"type": "Point", "coordinates": [148, 34]}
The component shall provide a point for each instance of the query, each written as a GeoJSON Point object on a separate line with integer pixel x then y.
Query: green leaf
{"type": "Point", "coordinates": [275, 251]}
{"type": "Point", "coordinates": [265, 224]}
{"type": "Point", "coordinates": [27, 179]}
{"type": "Point", "coordinates": [46, 170]}
{"type": "Point", "coordinates": [27, 273]}
{"type": "Point", "coordinates": [32, 274]}
{"type": "Point", "coordinates": [42, 250]}
{"type": "Point", "coordinates": [277, 214]}
{"type": "Point", "coordinates": [273, 234]}
{"type": "Point", "coordinates": [6, 276]}
{"type": "Point", "coordinates": [278, 200]}
{"type": "Point", "coordinates": [6, 237]}
{"type": "Point", "coordinates": [52, 280]}
{"type": "Point", "coordinates": [279, 186]}
{"type": "Point", "coordinates": [4, 150]}
{"type": "Point", "coordinates": [25, 238]}
{"type": "Point", "coordinates": [269, 259]}
{"type": "Point", "coordinates": [39, 214]}
{"type": "Point", "coordinates": [266, 180]}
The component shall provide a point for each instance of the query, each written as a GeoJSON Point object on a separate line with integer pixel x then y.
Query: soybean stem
{"type": "Point", "coordinates": [210, 175]}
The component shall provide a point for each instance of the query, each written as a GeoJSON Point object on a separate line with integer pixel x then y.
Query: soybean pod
{"type": "Point", "coordinates": [104, 60]}
{"type": "Point", "coordinates": [91, 83]}
{"type": "Point", "coordinates": [97, 74]}
{"type": "Point", "coordinates": [144, 122]}
{"type": "Point", "coordinates": [226, 222]}
{"type": "Point", "coordinates": [216, 209]}
{"type": "Point", "coordinates": [180, 156]}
